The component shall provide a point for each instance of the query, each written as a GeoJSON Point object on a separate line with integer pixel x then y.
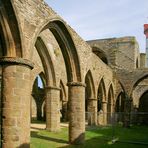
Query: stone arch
{"type": "Point", "coordinates": [110, 103]}
{"type": "Point", "coordinates": [9, 31]}
{"type": "Point", "coordinates": [90, 100]}
{"type": "Point", "coordinates": [68, 49]}
{"type": "Point", "coordinates": [89, 90]}
{"type": "Point", "coordinates": [137, 81]}
{"type": "Point", "coordinates": [43, 78]}
{"type": "Point", "coordinates": [47, 62]}
{"type": "Point", "coordinates": [120, 106]}
{"type": "Point", "coordinates": [143, 103]}
{"type": "Point", "coordinates": [102, 103]}
{"type": "Point", "coordinates": [135, 84]}
{"type": "Point", "coordinates": [38, 94]}
{"type": "Point", "coordinates": [101, 54]}
{"type": "Point", "coordinates": [101, 94]}
{"type": "Point", "coordinates": [71, 59]}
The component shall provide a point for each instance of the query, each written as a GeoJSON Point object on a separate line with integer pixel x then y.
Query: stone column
{"type": "Point", "coordinates": [76, 93]}
{"type": "Point", "coordinates": [127, 109]}
{"type": "Point", "coordinates": [16, 94]}
{"type": "Point", "coordinates": [92, 109]}
{"type": "Point", "coordinates": [52, 108]}
{"type": "Point", "coordinates": [104, 109]}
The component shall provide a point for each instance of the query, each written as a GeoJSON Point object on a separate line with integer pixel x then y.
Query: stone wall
{"type": "Point", "coordinates": [61, 55]}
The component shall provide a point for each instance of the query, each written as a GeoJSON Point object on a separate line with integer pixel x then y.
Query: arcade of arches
{"type": "Point", "coordinates": [49, 73]}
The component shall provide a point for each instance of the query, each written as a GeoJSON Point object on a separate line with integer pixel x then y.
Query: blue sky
{"type": "Point", "coordinates": [97, 19]}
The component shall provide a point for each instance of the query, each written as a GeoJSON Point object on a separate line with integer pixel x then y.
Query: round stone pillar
{"type": "Point", "coordinates": [104, 109]}
{"type": "Point", "coordinates": [76, 93]}
{"type": "Point", "coordinates": [16, 94]}
{"type": "Point", "coordinates": [92, 109]}
{"type": "Point", "coordinates": [52, 108]}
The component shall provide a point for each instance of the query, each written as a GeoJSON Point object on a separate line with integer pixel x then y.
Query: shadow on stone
{"type": "Point", "coordinates": [79, 140]}
{"type": "Point", "coordinates": [25, 145]}
{"type": "Point", "coordinates": [35, 135]}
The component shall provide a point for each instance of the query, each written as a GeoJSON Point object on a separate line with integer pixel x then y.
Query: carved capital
{"type": "Point", "coordinates": [92, 99]}
{"type": "Point", "coordinates": [76, 84]}
{"type": "Point", "coordinates": [16, 61]}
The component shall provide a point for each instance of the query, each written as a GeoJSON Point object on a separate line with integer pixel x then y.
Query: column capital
{"type": "Point", "coordinates": [104, 102]}
{"type": "Point", "coordinates": [76, 84]}
{"type": "Point", "coordinates": [52, 87]}
{"type": "Point", "coordinates": [16, 61]}
{"type": "Point", "coordinates": [92, 99]}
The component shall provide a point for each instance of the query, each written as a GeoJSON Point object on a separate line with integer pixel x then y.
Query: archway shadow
{"type": "Point", "coordinates": [103, 139]}
{"type": "Point", "coordinates": [25, 145]}
{"type": "Point", "coordinates": [35, 135]}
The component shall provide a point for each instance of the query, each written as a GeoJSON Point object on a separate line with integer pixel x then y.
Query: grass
{"type": "Point", "coordinates": [96, 137]}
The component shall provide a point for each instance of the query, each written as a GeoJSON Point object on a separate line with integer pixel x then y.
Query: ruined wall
{"type": "Point", "coordinates": [33, 15]}
{"type": "Point", "coordinates": [122, 53]}
{"type": "Point", "coordinates": [142, 60]}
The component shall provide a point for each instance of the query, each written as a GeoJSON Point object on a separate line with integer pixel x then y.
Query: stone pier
{"type": "Point", "coordinates": [92, 109]}
{"type": "Point", "coordinates": [16, 94]}
{"type": "Point", "coordinates": [52, 108]}
{"type": "Point", "coordinates": [76, 112]}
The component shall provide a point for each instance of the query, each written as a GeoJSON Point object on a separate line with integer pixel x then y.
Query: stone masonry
{"type": "Point", "coordinates": [87, 77]}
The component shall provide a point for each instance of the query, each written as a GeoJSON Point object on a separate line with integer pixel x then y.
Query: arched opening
{"type": "Point", "coordinates": [9, 31]}
{"type": "Point", "coordinates": [101, 95]}
{"type": "Point", "coordinates": [72, 64]}
{"type": "Point", "coordinates": [101, 103]}
{"type": "Point", "coordinates": [143, 109]}
{"type": "Point", "coordinates": [101, 54]}
{"type": "Point", "coordinates": [110, 104]}
{"type": "Point", "coordinates": [120, 106]}
{"type": "Point", "coordinates": [90, 102]}
{"type": "Point", "coordinates": [67, 47]}
{"type": "Point", "coordinates": [38, 93]}
{"type": "Point", "coordinates": [63, 103]}
{"type": "Point", "coordinates": [47, 62]}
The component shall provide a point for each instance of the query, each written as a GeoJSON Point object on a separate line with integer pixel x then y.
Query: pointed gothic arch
{"type": "Point", "coordinates": [68, 49]}
{"type": "Point", "coordinates": [90, 100]}
{"type": "Point", "coordinates": [101, 94]}
{"type": "Point", "coordinates": [9, 31]}
{"type": "Point", "coordinates": [89, 90]}
{"type": "Point", "coordinates": [46, 62]}
{"type": "Point", "coordinates": [143, 108]}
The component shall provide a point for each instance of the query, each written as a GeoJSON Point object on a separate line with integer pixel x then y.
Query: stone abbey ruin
{"type": "Point", "coordinates": [106, 75]}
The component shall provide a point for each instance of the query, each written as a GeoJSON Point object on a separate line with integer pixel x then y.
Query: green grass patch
{"type": "Point", "coordinates": [96, 137]}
